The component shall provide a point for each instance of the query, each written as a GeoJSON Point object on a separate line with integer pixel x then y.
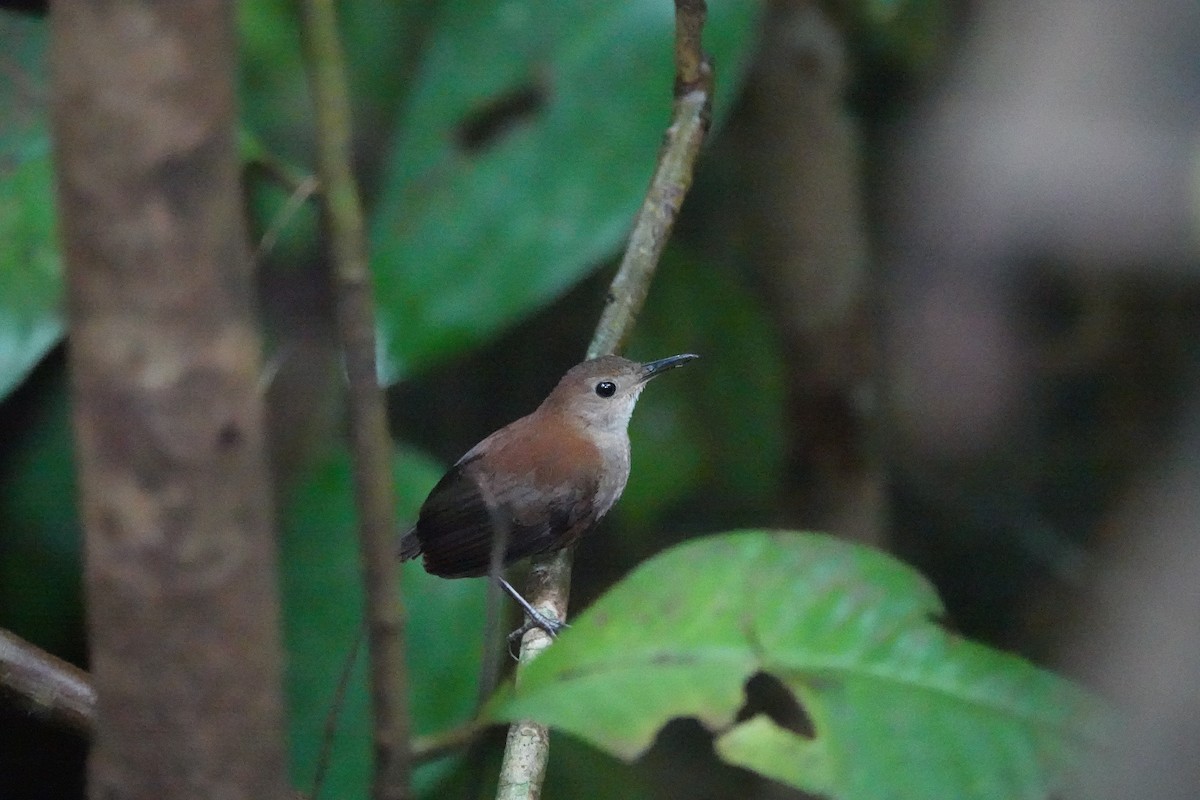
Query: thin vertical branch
{"type": "Point", "coordinates": [528, 746]}
{"type": "Point", "coordinates": [371, 445]}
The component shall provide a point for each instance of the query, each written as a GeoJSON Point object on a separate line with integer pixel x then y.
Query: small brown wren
{"type": "Point", "coordinates": [539, 483]}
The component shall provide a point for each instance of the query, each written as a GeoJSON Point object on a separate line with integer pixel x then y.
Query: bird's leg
{"type": "Point", "coordinates": [534, 618]}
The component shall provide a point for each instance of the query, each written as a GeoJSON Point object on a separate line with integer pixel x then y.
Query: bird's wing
{"type": "Point", "coordinates": [459, 520]}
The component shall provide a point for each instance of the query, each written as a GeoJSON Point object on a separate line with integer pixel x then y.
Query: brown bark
{"type": "Point", "coordinates": [180, 566]}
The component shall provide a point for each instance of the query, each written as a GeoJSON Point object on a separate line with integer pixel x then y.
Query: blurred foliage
{"type": "Point", "coordinates": [896, 46]}
{"type": "Point", "coordinates": [897, 706]}
{"type": "Point", "coordinates": [909, 34]}
{"type": "Point", "coordinates": [323, 616]}
{"type": "Point", "coordinates": [30, 281]}
{"type": "Point", "coordinates": [516, 156]}
{"type": "Point", "coordinates": [39, 525]}
{"type": "Point", "coordinates": [513, 155]}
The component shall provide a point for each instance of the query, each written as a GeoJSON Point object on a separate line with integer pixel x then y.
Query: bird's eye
{"type": "Point", "coordinates": [606, 388]}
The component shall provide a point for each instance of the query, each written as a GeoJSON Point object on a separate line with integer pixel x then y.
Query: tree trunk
{"type": "Point", "coordinates": [180, 565]}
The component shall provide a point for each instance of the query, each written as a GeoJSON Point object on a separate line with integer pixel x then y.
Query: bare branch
{"type": "Point", "coordinates": [45, 685]}
{"type": "Point", "coordinates": [371, 444]}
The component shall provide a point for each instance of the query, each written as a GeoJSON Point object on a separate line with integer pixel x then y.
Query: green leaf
{"type": "Point", "coordinates": [899, 707]}
{"type": "Point", "coordinates": [274, 92]}
{"type": "Point", "coordinates": [516, 137]}
{"type": "Point", "coordinates": [30, 272]}
{"type": "Point", "coordinates": [521, 158]}
{"type": "Point", "coordinates": [323, 616]}
{"type": "Point", "coordinates": [40, 569]}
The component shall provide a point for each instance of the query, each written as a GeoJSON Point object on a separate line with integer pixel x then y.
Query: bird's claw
{"type": "Point", "coordinates": [552, 627]}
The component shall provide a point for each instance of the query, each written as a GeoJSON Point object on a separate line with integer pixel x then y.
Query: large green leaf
{"type": "Point", "coordinates": [30, 275]}
{"type": "Point", "coordinates": [323, 616]}
{"type": "Point", "coordinates": [899, 707]}
{"type": "Point", "coordinates": [516, 139]}
{"type": "Point", "coordinates": [521, 158]}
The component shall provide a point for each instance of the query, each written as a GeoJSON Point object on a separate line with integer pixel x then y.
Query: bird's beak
{"type": "Point", "coordinates": [652, 368]}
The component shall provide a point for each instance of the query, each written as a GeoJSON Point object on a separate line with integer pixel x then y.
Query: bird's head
{"type": "Point", "coordinates": [601, 393]}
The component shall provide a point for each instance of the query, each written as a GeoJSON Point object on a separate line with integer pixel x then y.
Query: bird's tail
{"type": "Point", "coordinates": [410, 545]}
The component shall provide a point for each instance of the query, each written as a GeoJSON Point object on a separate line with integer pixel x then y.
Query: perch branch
{"type": "Point", "coordinates": [527, 750]}
{"type": "Point", "coordinates": [45, 685]}
{"type": "Point", "coordinates": [371, 445]}
{"type": "Point", "coordinates": [62, 693]}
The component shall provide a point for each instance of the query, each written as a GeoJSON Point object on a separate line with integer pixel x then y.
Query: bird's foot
{"type": "Point", "coordinates": [535, 619]}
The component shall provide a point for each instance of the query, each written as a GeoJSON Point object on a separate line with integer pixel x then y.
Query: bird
{"type": "Point", "coordinates": [539, 483]}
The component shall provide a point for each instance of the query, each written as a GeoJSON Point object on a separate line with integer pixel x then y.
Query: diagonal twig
{"type": "Point", "coordinates": [45, 685]}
